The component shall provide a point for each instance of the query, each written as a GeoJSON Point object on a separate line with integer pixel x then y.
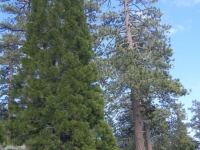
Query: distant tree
{"type": "Point", "coordinates": [12, 37]}
{"type": "Point", "coordinates": [195, 121]}
{"type": "Point", "coordinates": [169, 131]}
{"type": "Point", "coordinates": [57, 102]}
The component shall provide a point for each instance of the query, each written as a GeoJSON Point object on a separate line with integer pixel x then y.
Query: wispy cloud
{"type": "Point", "coordinates": [188, 23]}
{"type": "Point", "coordinates": [176, 29]}
{"type": "Point", "coordinates": [179, 27]}
{"type": "Point", "coordinates": [186, 3]}
{"type": "Point", "coordinates": [172, 31]}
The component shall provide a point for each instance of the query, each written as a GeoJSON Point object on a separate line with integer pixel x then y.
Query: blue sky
{"type": "Point", "coordinates": [183, 15]}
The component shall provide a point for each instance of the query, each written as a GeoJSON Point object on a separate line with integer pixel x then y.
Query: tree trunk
{"type": "Point", "coordinates": [137, 116]}
{"type": "Point", "coordinates": [128, 25]}
{"type": "Point", "coordinates": [147, 136]}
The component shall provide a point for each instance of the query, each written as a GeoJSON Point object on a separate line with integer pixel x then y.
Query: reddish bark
{"type": "Point", "coordinates": [147, 136]}
{"type": "Point", "coordinates": [137, 116]}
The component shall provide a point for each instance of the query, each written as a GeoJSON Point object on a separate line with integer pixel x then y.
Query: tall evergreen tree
{"type": "Point", "coordinates": [57, 103]}
{"type": "Point", "coordinates": [138, 66]}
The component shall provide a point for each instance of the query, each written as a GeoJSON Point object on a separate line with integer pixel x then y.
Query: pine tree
{"type": "Point", "coordinates": [12, 37]}
{"type": "Point", "coordinates": [137, 67]}
{"type": "Point", "coordinates": [195, 120]}
{"type": "Point", "coordinates": [57, 103]}
{"type": "Point", "coordinates": [169, 131]}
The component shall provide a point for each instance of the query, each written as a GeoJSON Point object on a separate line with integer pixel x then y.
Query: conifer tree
{"type": "Point", "coordinates": [57, 103]}
{"type": "Point", "coordinates": [169, 131]}
{"type": "Point", "coordinates": [9, 62]}
{"type": "Point", "coordinates": [12, 36]}
{"type": "Point", "coordinates": [137, 67]}
{"type": "Point", "coordinates": [13, 30]}
{"type": "Point", "coordinates": [195, 120]}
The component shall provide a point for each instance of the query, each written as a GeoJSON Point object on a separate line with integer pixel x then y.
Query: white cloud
{"type": "Point", "coordinates": [186, 3]}
{"type": "Point", "coordinates": [179, 27]}
{"type": "Point", "coordinates": [176, 29]}
{"type": "Point", "coordinates": [172, 31]}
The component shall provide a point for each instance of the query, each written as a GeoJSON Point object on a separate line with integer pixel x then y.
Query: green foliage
{"type": "Point", "coordinates": [2, 133]}
{"type": "Point", "coordinates": [169, 130]}
{"type": "Point", "coordinates": [57, 103]}
{"type": "Point", "coordinates": [194, 124]}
